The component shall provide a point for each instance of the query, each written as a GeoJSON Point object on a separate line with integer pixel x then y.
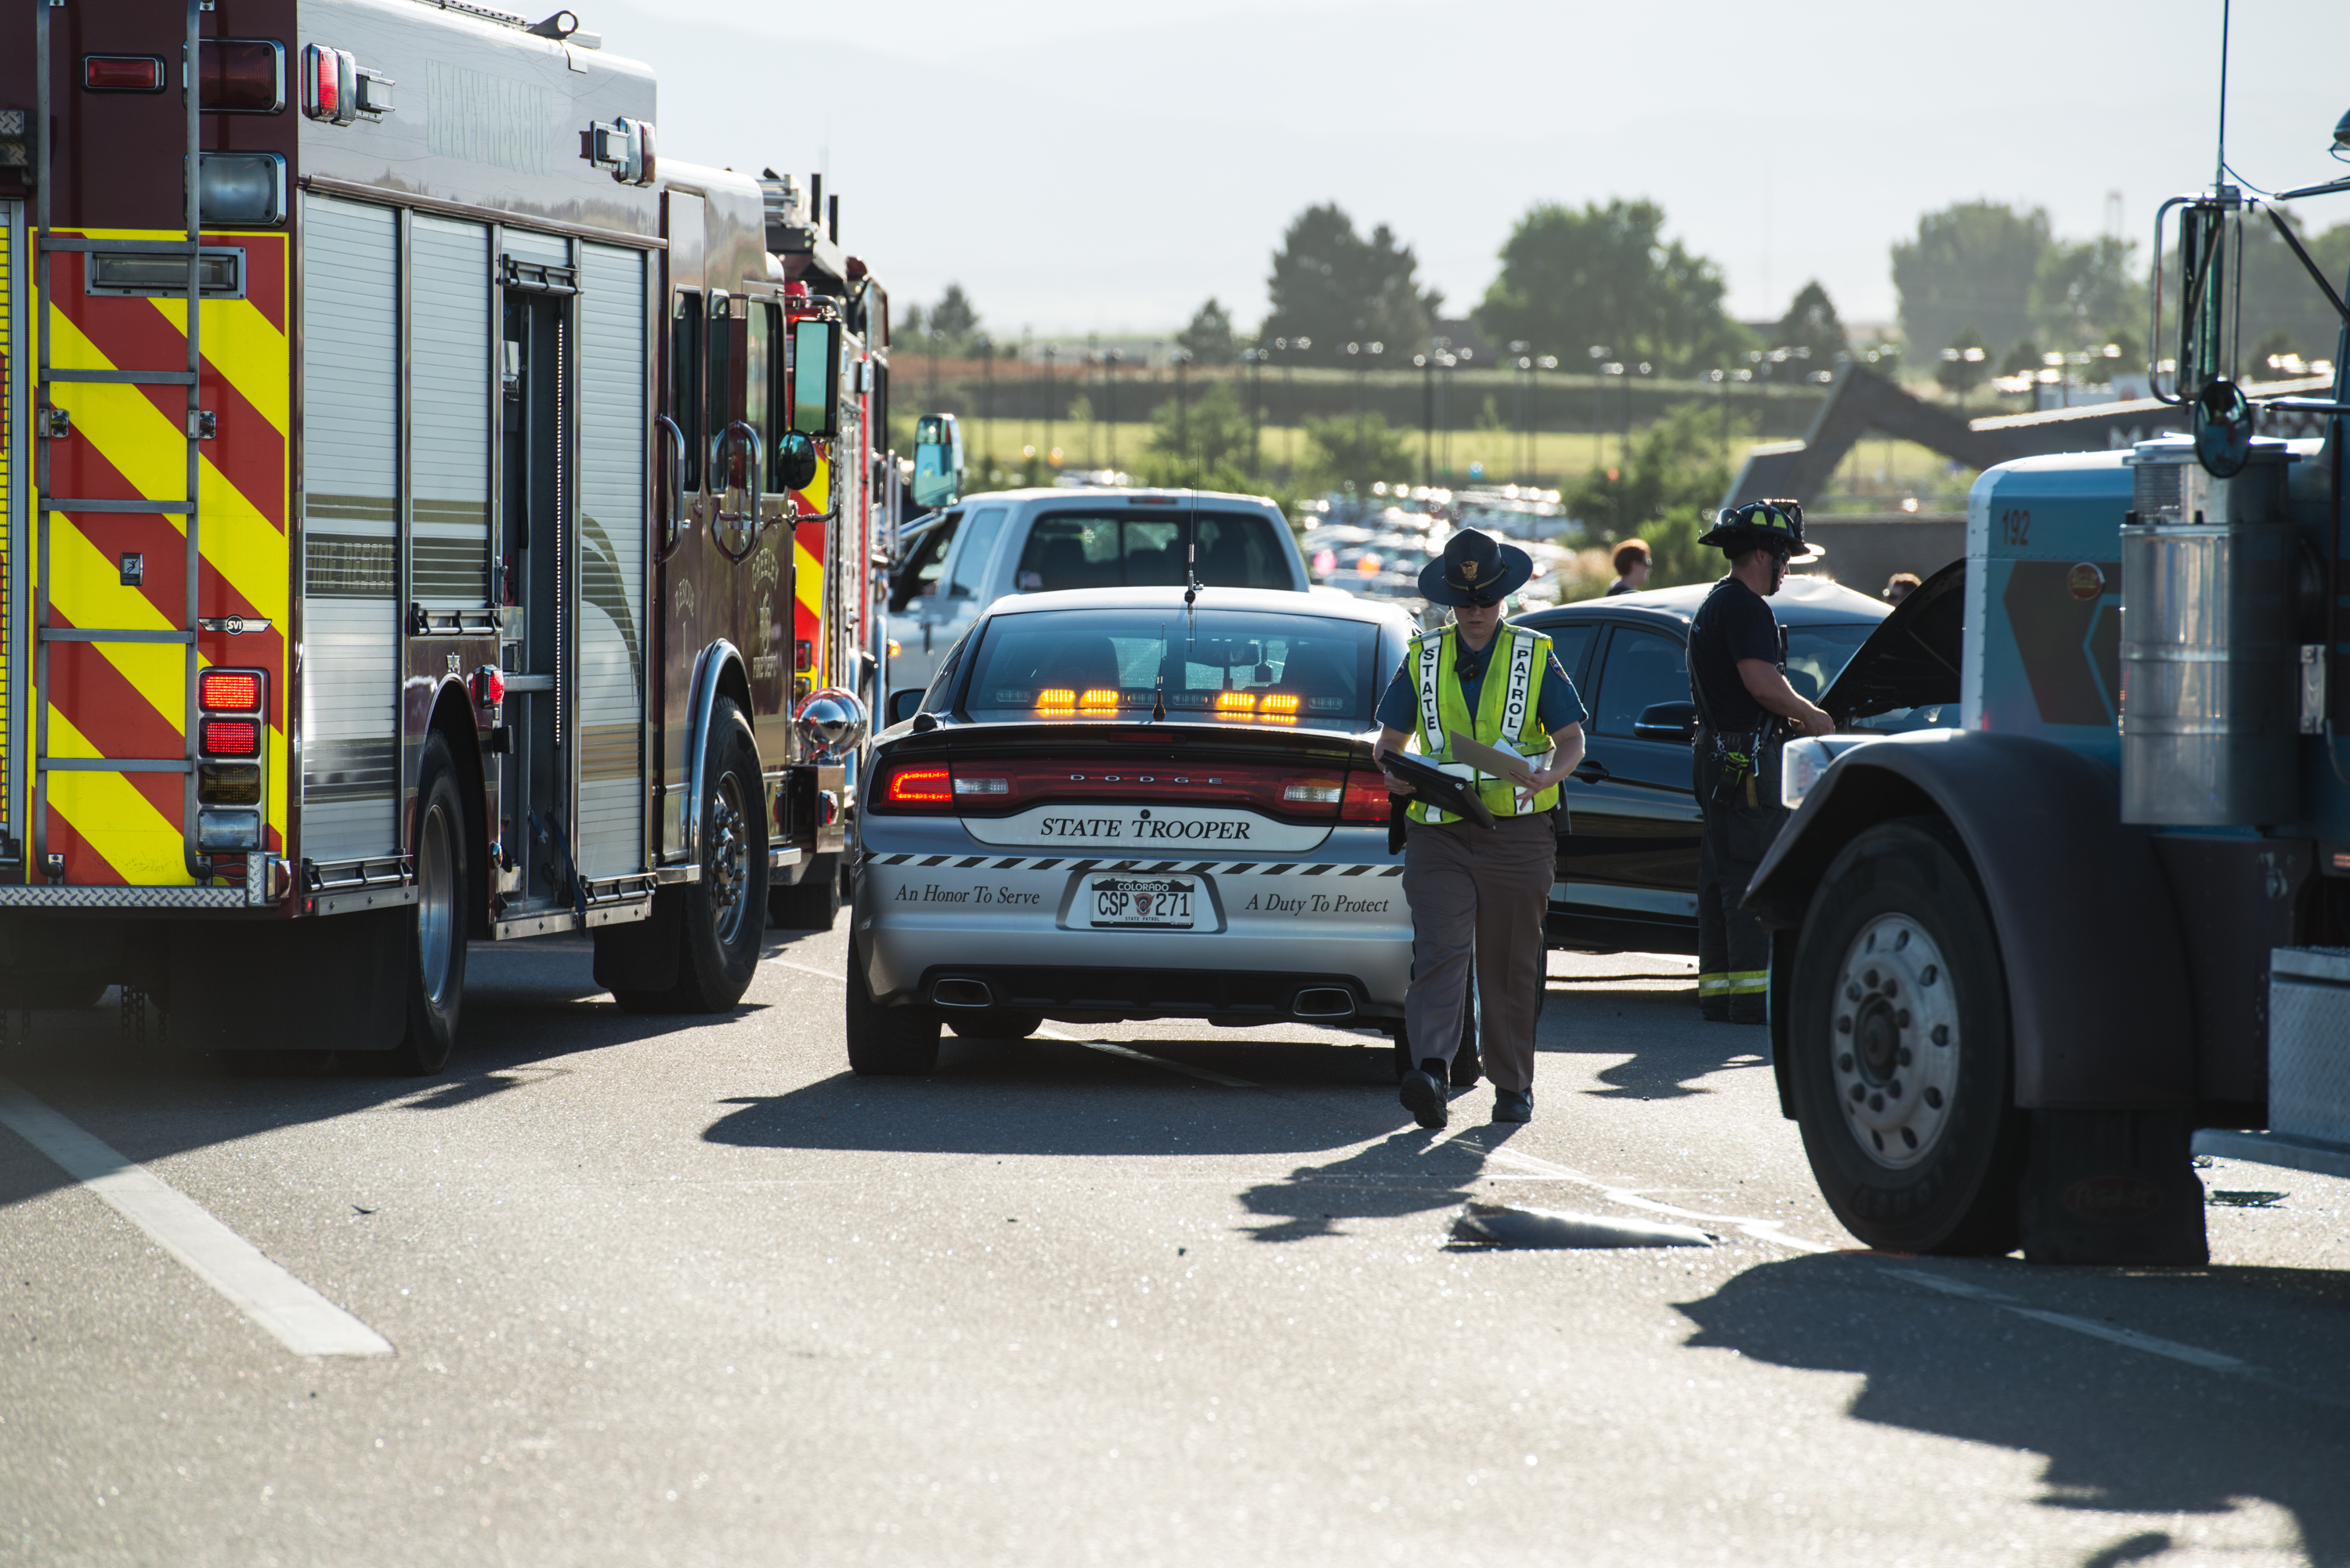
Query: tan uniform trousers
{"type": "Point", "coordinates": [1483, 890]}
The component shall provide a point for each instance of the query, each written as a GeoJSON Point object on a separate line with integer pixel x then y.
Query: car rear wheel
{"type": "Point", "coordinates": [1898, 1049]}
{"type": "Point", "coordinates": [887, 1041]}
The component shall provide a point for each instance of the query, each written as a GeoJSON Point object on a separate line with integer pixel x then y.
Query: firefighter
{"type": "Point", "coordinates": [1744, 704]}
{"type": "Point", "coordinates": [1474, 890]}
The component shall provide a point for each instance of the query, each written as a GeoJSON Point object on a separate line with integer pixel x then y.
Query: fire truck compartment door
{"type": "Point", "coordinates": [349, 490]}
{"type": "Point", "coordinates": [613, 421]}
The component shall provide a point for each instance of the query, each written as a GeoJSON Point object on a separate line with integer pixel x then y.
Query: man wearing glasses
{"type": "Point", "coordinates": [1744, 704]}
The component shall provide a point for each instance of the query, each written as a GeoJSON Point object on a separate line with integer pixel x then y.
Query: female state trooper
{"type": "Point", "coordinates": [1473, 888]}
{"type": "Point", "coordinates": [1742, 696]}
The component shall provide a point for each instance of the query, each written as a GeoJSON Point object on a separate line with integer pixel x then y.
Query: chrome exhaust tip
{"type": "Point", "coordinates": [961, 994]}
{"type": "Point", "coordinates": [1324, 1001]}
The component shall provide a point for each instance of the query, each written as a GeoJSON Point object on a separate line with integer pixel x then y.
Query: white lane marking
{"type": "Point", "coordinates": [1107, 1049]}
{"type": "Point", "coordinates": [2193, 1356]}
{"type": "Point", "coordinates": [806, 969]}
{"type": "Point", "coordinates": [1771, 1231]}
{"type": "Point", "coordinates": [304, 1322]}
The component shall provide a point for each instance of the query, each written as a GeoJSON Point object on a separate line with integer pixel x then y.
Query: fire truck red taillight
{"type": "Point", "coordinates": [231, 738]}
{"type": "Point", "coordinates": [228, 691]}
{"type": "Point", "coordinates": [122, 73]}
{"type": "Point", "coordinates": [242, 76]}
{"type": "Point", "coordinates": [919, 788]}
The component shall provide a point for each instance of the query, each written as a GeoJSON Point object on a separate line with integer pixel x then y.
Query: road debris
{"type": "Point", "coordinates": [1501, 1225]}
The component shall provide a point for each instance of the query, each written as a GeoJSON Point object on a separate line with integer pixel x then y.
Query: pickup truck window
{"type": "Point", "coordinates": [978, 543]}
{"type": "Point", "coordinates": [918, 574]}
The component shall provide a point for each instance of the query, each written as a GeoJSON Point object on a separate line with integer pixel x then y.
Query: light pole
{"type": "Point", "coordinates": [1534, 436]}
{"type": "Point", "coordinates": [1183, 360]}
{"type": "Point", "coordinates": [1051, 351]}
{"type": "Point", "coordinates": [1111, 362]}
{"type": "Point", "coordinates": [1521, 364]}
{"type": "Point", "coordinates": [1254, 360]}
{"type": "Point", "coordinates": [1599, 352]}
{"type": "Point", "coordinates": [986, 401]}
{"type": "Point", "coordinates": [1617, 367]}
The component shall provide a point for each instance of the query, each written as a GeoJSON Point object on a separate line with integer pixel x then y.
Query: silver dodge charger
{"type": "Point", "coordinates": [1112, 804]}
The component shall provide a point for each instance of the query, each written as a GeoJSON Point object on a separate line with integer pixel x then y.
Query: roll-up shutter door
{"type": "Point", "coordinates": [612, 525]}
{"type": "Point", "coordinates": [350, 485]}
{"type": "Point", "coordinates": [450, 342]}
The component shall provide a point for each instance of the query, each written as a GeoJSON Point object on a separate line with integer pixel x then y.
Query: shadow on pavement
{"type": "Point", "coordinates": [1402, 1175]}
{"type": "Point", "coordinates": [1054, 1098]}
{"type": "Point", "coordinates": [2122, 1430]}
{"type": "Point", "coordinates": [526, 1003]}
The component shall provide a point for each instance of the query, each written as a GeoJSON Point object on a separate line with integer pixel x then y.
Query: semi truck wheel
{"type": "Point", "coordinates": [887, 1041]}
{"type": "Point", "coordinates": [435, 936]}
{"type": "Point", "coordinates": [1899, 1053]}
{"type": "Point", "coordinates": [810, 904]}
{"type": "Point", "coordinates": [724, 914]}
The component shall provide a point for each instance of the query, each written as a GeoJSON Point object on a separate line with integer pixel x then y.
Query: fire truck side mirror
{"type": "Point", "coordinates": [938, 461]}
{"type": "Point", "coordinates": [816, 378]}
{"type": "Point", "coordinates": [795, 459]}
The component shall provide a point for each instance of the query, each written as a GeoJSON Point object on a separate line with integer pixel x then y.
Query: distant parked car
{"type": "Point", "coordinates": [1627, 870]}
{"type": "Point", "coordinates": [1049, 541]}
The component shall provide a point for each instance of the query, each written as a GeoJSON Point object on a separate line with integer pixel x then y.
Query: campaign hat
{"type": "Point", "coordinates": [1476, 569]}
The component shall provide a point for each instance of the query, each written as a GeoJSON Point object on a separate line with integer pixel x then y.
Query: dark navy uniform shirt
{"type": "Point", "coordinates": [1557, 706]}
{"type": "Point", "coordinates": [1734, 623]}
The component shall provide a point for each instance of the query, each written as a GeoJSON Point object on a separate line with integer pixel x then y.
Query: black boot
{"type": "Point", "coordinates": [1423, 1092]}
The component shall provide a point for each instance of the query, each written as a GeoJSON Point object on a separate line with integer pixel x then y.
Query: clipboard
{"type": "Point", "coordinates": [1439, 788]}
{"type": "Point", "coordinates": [1501, 764]}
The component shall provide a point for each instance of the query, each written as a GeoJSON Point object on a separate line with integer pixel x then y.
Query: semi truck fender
{"type": "Point", "coordinates": [2088, 935]}
{"type": "Point", "coordinates": [719, 672]}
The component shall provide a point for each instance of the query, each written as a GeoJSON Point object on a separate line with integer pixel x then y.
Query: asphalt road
{"type": "Point", "coordinates": [686, 1292]}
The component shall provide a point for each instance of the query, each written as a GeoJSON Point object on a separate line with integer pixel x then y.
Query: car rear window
{"type": "Point", "coordinates": [1099, 550]}
{"type": "Point", "coordinates": [1242, 666]}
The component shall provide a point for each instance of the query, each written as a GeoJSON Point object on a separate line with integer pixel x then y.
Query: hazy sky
{"type": "Point", "coordinates": [1105, 167]}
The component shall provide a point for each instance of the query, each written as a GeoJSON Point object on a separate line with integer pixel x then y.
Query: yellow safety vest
{"type": "Point", "coordinates": [1508, 712]}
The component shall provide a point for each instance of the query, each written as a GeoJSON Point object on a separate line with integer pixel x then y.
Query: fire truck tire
{"type": "Point", "coordinates": [434, 934]}
{"type": "Point", "coordinates": [1898, 1046]}
{"type": "Point", "coordinates": [725, 913]}
{"type": "Point", "coordinates": [810, 904]}
{"type": "Point", "coordinates": [887, 1041]}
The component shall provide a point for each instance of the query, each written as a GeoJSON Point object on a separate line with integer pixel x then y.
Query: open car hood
{"type": "Point", "coordinates": [1911, 659]}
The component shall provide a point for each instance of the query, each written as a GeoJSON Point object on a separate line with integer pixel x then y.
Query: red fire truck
{"type": "Point", "coordinates": [400, 477]}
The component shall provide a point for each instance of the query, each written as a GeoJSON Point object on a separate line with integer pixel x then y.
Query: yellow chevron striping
{"type": "Point", "coordinates": [149, 452]}
{"type": "Point", "coordinates": [119, 823]}
{"type": "Point", "coordinates": [249, 353]}
{"type": "Point", "coordinates": [807, 578]}
{"type": "Point", "coordinates": [86, 586]}
{"type": "Point", "coordinates": [819, 491]}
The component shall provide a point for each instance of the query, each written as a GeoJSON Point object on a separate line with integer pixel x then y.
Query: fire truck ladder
{"type": "Point", "coordinates": [53, 424]}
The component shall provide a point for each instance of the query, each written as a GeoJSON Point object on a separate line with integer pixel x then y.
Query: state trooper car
{"type": "Point", "coordinates": [1114, 804]}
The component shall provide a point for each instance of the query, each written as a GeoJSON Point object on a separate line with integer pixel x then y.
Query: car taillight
{"type": "Point", "coordinates": [1367, 796]}
{"type": "Point", "coordinates": [1313, 792]}
{"type": "Point", "coordinates": [228, 691]}
{"type": "Point", "coordinates": [231, 737]}
{"type": "Point", "coordinates": [981, 786]}
{"type": "Point", "coordinates": [122, 73]}
{"type": "Point", "coordinates": [920, 787]}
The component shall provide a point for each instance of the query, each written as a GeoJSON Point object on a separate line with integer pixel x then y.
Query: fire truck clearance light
{"type": "Point", "coordinates": [122, 73]}
{"type": "Point", "coordinates": [330, 84]}
{"type": "Point", "coordinates": [230, 691]}
{"type": "Point", "coordinates": [242, 76]}
{"type": "Point", "coordinates": [231, 738]}
{"type": "Point", "coordinates": [243, 190]}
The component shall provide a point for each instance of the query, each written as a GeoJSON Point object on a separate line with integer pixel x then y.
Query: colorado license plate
{"type": "Point", "coordinates": [1161, 901]}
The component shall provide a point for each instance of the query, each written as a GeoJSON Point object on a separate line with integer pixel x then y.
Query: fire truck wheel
{"type": "Point", "coordinates": [725, 912]}
{"type": "Point", "coordinates": [810, 904]}
{"type": "Point", "coordinates": [435, 936]}
{"type": "Point", "coordinates": [887, 1041]}
{"type": "Point", "coordinates": [1898, 1049]}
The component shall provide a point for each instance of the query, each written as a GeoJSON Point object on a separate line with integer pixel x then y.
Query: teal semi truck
{"type": "Point", "coordinates": [2032, 957]}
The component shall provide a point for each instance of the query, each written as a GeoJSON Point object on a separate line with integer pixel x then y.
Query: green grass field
{"type": "Point", "coordinates": [1877, 476]}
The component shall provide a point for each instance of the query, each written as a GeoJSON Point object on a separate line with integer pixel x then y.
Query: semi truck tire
{"type": "Point", "coordinates": [434, 934]}
{"type": "Point", "coordinates": [810, 904]}
{"type": "Point", "coordinates": [887, 1041]}
{"type": "Point", "coordinates": [724, 914]}
{"type": "Point", "coordinates": [1899, 1058]}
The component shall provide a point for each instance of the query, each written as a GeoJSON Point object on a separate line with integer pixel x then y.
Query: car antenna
{"type": "Point", "coordinates": [1158, 685]}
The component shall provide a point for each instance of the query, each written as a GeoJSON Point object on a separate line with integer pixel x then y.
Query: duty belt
{"type": "Point", "coordinates": [1738, 755]}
